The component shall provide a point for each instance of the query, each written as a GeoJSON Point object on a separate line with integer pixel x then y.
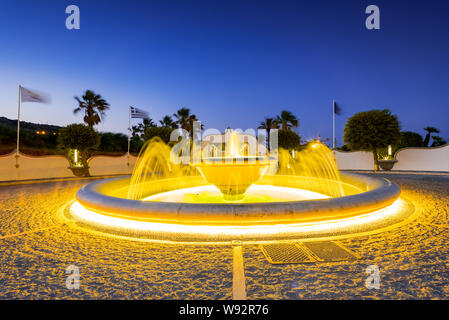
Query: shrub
{"type": "Point", "coordinates": [438, 141]}
{"type": "Point", "coordinates": [162, 132]}
{"type": "Point", "coordinates": [113, 142]}
{"type": "Point", "coordinates": [410, 139]}
{"type": "Point", "coordinates": [372, 130]}
{"type": "Point", "coordinates": [81, 137]}
{"type": "Point", "coordinates": [136, 144]}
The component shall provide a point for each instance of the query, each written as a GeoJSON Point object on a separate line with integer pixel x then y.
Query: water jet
{"type": "Point", "coordinates": [235, 196]}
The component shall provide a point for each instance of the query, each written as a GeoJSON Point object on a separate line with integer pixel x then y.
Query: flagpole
{"type": "Point", "coordinates": [129, 132]}
{"type": "Point", "coordinates": [333, 124]}
{"type": "Point", "coordinates": [18, 130]}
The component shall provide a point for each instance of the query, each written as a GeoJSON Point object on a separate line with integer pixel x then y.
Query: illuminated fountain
{"type": "Point", "coordinates": [238, 192]}
{"type": "Point", "coordinates": [233, 173]}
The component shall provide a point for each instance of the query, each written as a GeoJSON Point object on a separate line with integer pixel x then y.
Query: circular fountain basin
{"type": "Point", "coordinates": [294, 212]}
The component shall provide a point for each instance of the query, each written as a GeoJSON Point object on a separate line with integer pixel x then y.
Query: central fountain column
{"type": "Point", "coordinates": [233, 173]}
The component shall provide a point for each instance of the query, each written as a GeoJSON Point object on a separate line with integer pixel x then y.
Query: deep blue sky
{"type": "Point", "coordinates": [231, 62]}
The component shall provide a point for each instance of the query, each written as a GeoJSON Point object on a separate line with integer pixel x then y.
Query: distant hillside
{"type": "Point", "coordinates": [27, 125]}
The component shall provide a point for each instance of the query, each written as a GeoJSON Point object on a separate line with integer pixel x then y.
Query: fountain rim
{"type": "Point", "coordinates": [381, 194]}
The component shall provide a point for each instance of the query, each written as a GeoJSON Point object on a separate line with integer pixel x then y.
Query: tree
{"type": "Point", "coordinates": [344, 147]}
{"type": "Point", "coordinates": [139, 130]}
{"type": "Point", "coordinates": [288, 139]}
{"type": "Point", "coordinates": [113, 142]}
{"type": "Point", "coordinates": [161, 132]}
{"type": "Point", "coordinates": [93, 106]}
{"type": "Point", "coordinates": [287, 120]}
{"type": "Point", "coordinates": [168, 122]}
{"type": "Point", "coordinates": [438, 141]}
{"type": "Point", "coordinates": [429, 130]}
{"type": "Point", "coordinates": [185, 120]}
{"type": "Point", "coordinates": [268, 124]}
{"type": "Point", "coordinates": [410, 139]}
{"type": "Point", "coordinates": [136, 144]}
{"type": "Point", "coordinates": [372, 130]}
{"type": "Point", "coordinates": [80, 137]}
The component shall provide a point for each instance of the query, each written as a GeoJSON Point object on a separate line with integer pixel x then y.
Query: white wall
{"type": "Point", "coordinates": [45, 167]}
{"type": "Point", "coordinates": [354, 160]}
{"type": "Point", "coordinates": [409, 159]}
{"type": "Point", "coordinates": [30, 167]}
{"type": "Point", "coordinates": [423, 159]}
{"type": "Point", "coordinates": [48, 167]}
{"type": "Point", "coordinates": [107, 165]}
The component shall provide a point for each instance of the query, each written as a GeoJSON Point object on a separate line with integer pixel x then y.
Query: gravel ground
{"type": "Point", "coordinates": [35, 250]}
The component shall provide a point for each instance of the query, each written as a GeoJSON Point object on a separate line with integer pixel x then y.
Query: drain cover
{"type": "Point", "coordinates": [284, 253]}
{"type": "Point", "coordinates": [307, 252]}
{"type": "Point", "coordinates": [329, 251]}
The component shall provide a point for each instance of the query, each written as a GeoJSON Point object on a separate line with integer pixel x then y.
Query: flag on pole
{"type": "Point", "coordinates": [134, 113]}
{"type": "Point", "coordinates": [337, 109]}
{"type": "Point", "coordinates": [28, 95]}
{"type": "Point", "coordinates": [137, 113]}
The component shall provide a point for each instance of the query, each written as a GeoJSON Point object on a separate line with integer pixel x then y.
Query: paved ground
{"type": "Point", "coordinates": [35, 250]}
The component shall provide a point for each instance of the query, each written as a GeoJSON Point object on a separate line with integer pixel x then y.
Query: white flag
{"type": "Point", "coordinates": [137, 113]}
{"type": "Point", "coordinates": [32, 96]}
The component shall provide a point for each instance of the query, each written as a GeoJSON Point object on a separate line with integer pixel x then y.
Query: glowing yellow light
{"type": "Point", "coordinates": [157, 178]}
{"type": "Point", "coordinates": [330, 226]}
{"type": "Point", "coordinates": [232, 172]}
{"type": "Point", "coordinates": [255, 193]}
{"type": "Point", "coordinates": [233, 146]}
{"type": "Point", "coordinates": [75, 156]}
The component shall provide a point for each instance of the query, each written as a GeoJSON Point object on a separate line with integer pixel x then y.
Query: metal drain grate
{"type": "Point", "coordinates": [329, 251]}
{"type": "Point", "coordinates": [307, 252]}
{"type": "Point", "coordinates": [284, 253]}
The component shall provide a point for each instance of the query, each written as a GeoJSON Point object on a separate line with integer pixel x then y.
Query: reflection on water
{"type": "Point", "coordinates": [256, 193]}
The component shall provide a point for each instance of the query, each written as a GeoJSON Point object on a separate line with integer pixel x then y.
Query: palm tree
{"type": "Point", "coordinates": [182, 117]}
{"type": "Point", "coordinates": [438, 141]}
{"type": "Point", "coordinates": [139, 130]}
{"type": "Point", "coordinates": [94, 107]}
{"type": "Point", "coordinates": [185, 120]}
{"type": "Point", "coordinates": [429, 130]}
{"type": "Point", "coordinates": [287, 120]}
{"type": "Point", "coordinates": [268, 124]}
{"type": "Point", "coordinates": [168, 122]}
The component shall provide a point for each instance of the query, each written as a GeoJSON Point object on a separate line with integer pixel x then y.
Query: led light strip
{"type": "Point", "coordinates": [204, 232]}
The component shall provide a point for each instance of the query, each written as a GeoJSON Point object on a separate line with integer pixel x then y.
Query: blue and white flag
{"type": "Point", "coordinates": [137, 113]}
{"type": "Point", "coordinates": [27, 95]}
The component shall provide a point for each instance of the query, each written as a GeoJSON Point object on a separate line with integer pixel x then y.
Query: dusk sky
{"type": "Point", "coordinates": [231, 62]}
